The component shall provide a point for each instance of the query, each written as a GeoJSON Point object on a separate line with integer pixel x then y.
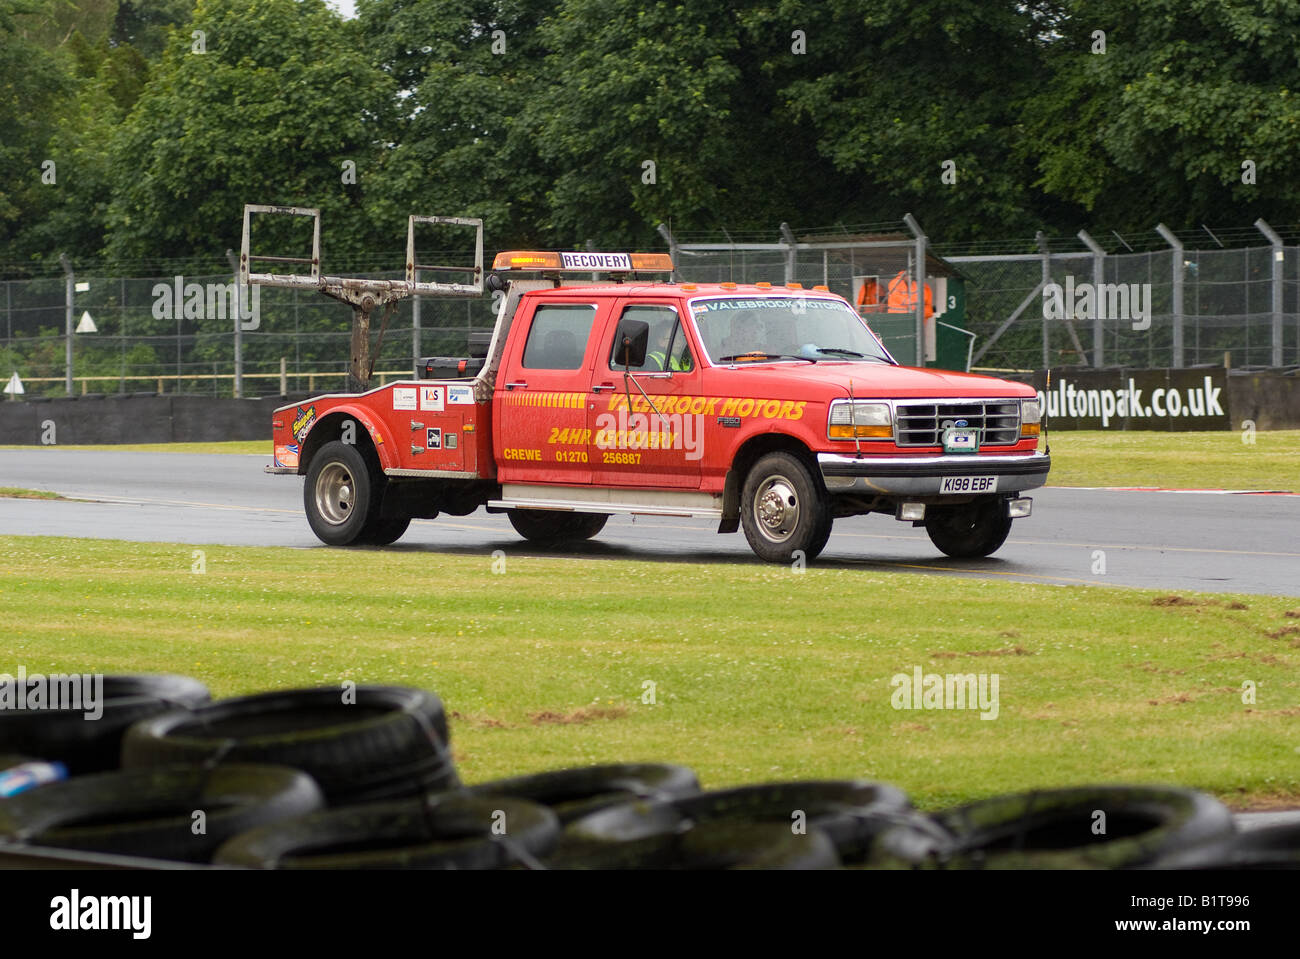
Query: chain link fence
{"type": "Point", "coordinates": [151, 338]}
{"type": "Point", "coordinates": [1227, 311]}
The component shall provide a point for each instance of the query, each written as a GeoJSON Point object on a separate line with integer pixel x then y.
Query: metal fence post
{"type": "Point", "coordinates": [1279, 261]}
{"type": "Point", "coordinates": [671, 240]}
{"type": "Point", "coordinates": [415, 328]}
{"type": "Point", "coordinates": [1041, 239]}
{"type": "Point", "coordinates": [1098, 278]}
{"type": "Point", "coordinates": [67, 270]}
{"type": "Point", "coordinates": [917, 232]}
{"type": "Point", "coordinates": [238, 388]}
{"type": "Point", "coordinates": [1176, 253]}
{"type": "Point", "coordinates": [787, 237]}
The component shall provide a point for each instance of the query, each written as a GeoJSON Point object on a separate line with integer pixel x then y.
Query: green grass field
{"type": "Point", "coordinates": [759, 673]}
{"type": "Point", "coordinates": [1201, 460]}
{"type": "Point", "coordinates": [1182, 460]}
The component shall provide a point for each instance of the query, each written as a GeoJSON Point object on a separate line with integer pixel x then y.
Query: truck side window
{"type": "Point", "coordinates": [557, 340]}
{"type": "Point", "coordinates": [667, 349]}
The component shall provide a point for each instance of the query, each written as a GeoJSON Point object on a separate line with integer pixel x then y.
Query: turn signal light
{"type": "Point", "coordinates": [845, 432]}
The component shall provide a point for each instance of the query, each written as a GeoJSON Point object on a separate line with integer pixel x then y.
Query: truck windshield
{"type": "Point", "coordinates": [788, 328]}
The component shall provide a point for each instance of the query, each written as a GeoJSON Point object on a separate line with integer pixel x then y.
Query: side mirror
{"type": "Point", "coordinates": [632, 339]}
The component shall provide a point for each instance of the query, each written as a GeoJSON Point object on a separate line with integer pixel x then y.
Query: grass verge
{"type": "Point", "coordinates": [1211, 460]}
{"type": "Point", "coordinates": [757, 673]}
{"type": "Point", "coordinates": [16, 492]}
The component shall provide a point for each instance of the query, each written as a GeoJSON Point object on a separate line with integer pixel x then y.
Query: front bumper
{"type": "Point", "coordinates": [921, 475]}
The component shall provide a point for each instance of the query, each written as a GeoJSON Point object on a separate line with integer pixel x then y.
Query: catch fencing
{"type": "Point", "coordinates": [1190, 307]}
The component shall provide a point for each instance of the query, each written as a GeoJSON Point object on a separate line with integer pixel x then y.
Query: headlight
{"type": "Point", "coordinates": [1031, 418]}
{"type": "Point", "coordinates": [870, 421]}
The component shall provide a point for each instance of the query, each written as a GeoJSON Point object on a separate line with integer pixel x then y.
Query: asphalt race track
{"type": "Point", "coordinates": [1173, 541]}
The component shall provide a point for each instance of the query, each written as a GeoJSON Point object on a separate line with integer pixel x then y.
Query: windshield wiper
{"type": "Point", "coordinates": [839, 352]}
{"type": "Point", "coordinates": [759, 354]}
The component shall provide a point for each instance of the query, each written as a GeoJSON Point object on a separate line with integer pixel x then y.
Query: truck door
{"type": "Point", "coordinates": [631, 444]}
{"type": "Point", "coordinates": [541, 398]}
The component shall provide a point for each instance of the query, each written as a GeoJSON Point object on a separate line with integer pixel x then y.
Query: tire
{"type": "Point", "coordinates": [382, 532]}
{"type": "Point", "coordinates": [1270, 847]}
{"type": "Point", "coordinates": [1055, 829]}
{"type": "Point", "coordinates": [850, 814]}
{"type": "Point", "coordinates": [150, 812]}
{"type": "Point", "coordinates": [716, 844]}
{"type": "Point", "coordinates": [783, 509]}
{"type": "Point", "coordinates": [95, 746]}
{"type": "Point", "coordinates": [968, 531]}
{"type": "Point", "coordinates": [574, 793]}
{"type": "Point", "coordinates": [556, 526]}
{"type": "Point", "coordinates": [442, 832]}
{"type": "Point", "coordinates": [391, 742]}
{"type": "Point", "coordinates": [340, 495]}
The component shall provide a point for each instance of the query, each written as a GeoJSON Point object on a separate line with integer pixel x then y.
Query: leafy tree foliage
{"type": "Point", "coordinates": [560, 121]}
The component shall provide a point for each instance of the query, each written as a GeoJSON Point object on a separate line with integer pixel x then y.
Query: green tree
{"type": "Point", "coordinates": [1155, 120]}
{"type": "Point", "coordinates": [268, 106]}
{"type": "Point", "coordinates": [919, 99]}
{"type": "Point", "coordinates": [143, 24]}
{"type": "Point", "coordinates": [465, 71]}
{"type": "Point", "coordinates": [33, 80]}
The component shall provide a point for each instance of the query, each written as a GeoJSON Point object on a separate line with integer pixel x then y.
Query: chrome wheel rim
{"type": "Point", "coordinates": [335, 494]}
{"type": "Point", "coordinates": [776, 508]}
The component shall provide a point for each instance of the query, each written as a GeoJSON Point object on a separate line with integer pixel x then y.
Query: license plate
{"type": "Point", "coordinates": [968, 484]}
{"type": "Point", "coordinates": [957, 440]}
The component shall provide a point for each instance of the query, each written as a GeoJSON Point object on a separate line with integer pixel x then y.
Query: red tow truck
{"type": "Point", "coordinates": [769, 408]}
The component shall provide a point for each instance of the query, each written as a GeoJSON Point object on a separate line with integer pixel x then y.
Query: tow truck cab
{"type": "Point", "coordinates": [772, 409]}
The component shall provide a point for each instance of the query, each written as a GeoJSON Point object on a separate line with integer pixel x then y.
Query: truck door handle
{"type": "Point", "coordinates": [522, 384]}
{"type": "Point", "coordinates": [598, 387]}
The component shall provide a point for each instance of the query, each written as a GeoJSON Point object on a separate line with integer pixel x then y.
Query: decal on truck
{"type": "Point", "coordinates": [431, 398]}
{"type": "Point", "coordinates": [286, 455]}
{"type": "Point", "coordinates": [302, 421]}
{"type": "Point", "coordinates": [715, 406]}
{"type": "Point", "coordinates": [572, 401]}
{"type": "Point", "coordinates": [404, 398]}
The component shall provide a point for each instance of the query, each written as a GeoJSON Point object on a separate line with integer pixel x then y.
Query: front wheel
{"type": "Point", "coordinates": [784, 510]}
{"type": "Point", "coordinates": [339, 495]}
{"type": "Point", "coordinates": [555, 526]}
{"type": "Point", "coordinates": [969, 531]}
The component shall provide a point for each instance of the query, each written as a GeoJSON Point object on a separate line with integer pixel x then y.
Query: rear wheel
{"type": "Point", "coordinates": [969, 531]}
{"type": "Point", "coordinates": [784, 510]}
{"type": "Point", "coordinates": [381, 532]}
{"type": "Point", "coordinates": [554, 526]}
{"type": "Point", "coordinates": [340, 495]}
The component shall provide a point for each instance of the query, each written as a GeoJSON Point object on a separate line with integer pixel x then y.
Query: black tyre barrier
{"type": "Point", "coordinates": [850, 813]}
{"type": "Point", "coordinates": [574, 793]}
{"type": "Point", "coordinates": [152, 812]}
{"type": "Point", "coordinates": [715, 844]}
{"type": "Point", "coordinates": [384, 742]}
{"type": "Point", "coordinates": [1091, 827]}
{"type": "Point", "coordinates": [450, 831]}
{"type": "Point", "coordinates": [1271, 847]}
{"type": "Point", "coordinates": [87, 746]}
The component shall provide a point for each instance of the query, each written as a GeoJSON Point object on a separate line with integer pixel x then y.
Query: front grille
{"type": "Point", "coordinates": [922, 424]}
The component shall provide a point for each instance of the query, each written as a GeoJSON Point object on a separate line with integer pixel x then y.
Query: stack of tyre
{"type": "Point", "coordinates": [362, 777]}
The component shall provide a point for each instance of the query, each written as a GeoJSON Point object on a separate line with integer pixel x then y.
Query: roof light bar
{"type": "Point", "coordinates": [562, 262]}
